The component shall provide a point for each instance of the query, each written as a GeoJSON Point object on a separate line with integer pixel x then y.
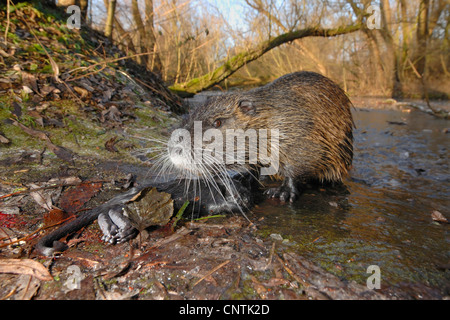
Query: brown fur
{"type": "Point", "coordinates": [312, 114]}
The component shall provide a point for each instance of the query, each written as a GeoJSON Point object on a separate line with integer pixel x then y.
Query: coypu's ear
{"type": "Point", "coordinates": [247, 107]}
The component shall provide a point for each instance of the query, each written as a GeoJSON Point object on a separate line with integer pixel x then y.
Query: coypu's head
{"type": "Point", "coordinates": [199, 148]}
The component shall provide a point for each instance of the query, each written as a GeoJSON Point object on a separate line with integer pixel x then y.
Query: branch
{"type": "Point", "coordinates": [235, 63]}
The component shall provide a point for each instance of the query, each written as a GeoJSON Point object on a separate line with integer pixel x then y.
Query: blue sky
{"type": "Point", "coordinates": [232, 10]}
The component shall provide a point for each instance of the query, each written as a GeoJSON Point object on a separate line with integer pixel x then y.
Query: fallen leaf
{"type": "Point", "coordinates": [438, 217]}
{"type": "Point", "coordinates": [44, 200]}
{"type": "Point", "coordinates": [110, 145]}
{"type": "Point", "coordinates": [4, 139]}
{"type": "Point", "coordinates": [55, 216]}
{"type": "Point", "coordinates": [82, 92]}
{"type": "Point", "coordinates": [46, 89]}
{"type": "Point", "coordinates": [73, 199]}
{"type": "Point", "coordinates": [61, 152]}
{"type": "Point", "coordinates": [112, 114]}
{"type": "Point", "coordinates": [17, 109]}
{"type": "Point", "coordinates": [27, 287]}
{"type": "Point", "coordinates": [30, 81]}
{"type": "Point", "coordinates": [25, 266]}
{"type": "Point", "coordinates": [149, 208]}
{"type": "Point", "coordinates": [73, 180]}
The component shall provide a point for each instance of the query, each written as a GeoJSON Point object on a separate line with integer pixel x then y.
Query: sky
{"type": "Point", "coordinates": [232, 10]}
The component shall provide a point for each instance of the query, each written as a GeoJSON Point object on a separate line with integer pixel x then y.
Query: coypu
{"type": "Point", "coordinates": [311, 115]}
{"type": "Point", "coordinates": [309, 118]}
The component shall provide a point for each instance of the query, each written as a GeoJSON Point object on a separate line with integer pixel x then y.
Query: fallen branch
{"type": "Point", "coordinates": [61, 152]}
{"type": "Point", "coordinates": [30, 235]}
{"type": "Point", "coordinates": [64, 184]}
{"type": "Point", "coordinates": [235, 63]}
{"type": "Point", "coordinates": [211, 272]}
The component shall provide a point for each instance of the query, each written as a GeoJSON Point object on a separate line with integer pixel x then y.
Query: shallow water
{"type": "Point", "coordinates": [400, 175]}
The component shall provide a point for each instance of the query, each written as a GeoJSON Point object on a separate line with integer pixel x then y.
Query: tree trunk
{"type": "Point", "coordinates": [154, 62]}
{"type": "Point", "coordinates": [235, 63]}
{"type": "Point", "coordinates": [422, 36]}
{"type": "Point", "coordinates": [385, 31]}
{"type": "Point", "coordinates": [374, 46]}
{"type": "Point", "coordinates": [110, 18]}
{"type": "Point", "coordinates": [83, 9]}
{"type": "Point", "coordinates": [141, 32]}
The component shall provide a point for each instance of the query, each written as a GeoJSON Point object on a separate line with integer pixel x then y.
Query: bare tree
{"type": "Point", "coordinates": [110, 18]}
{"type": "Point", "coordinates": [242, 58]}
{"type": "Point", "coordinates": [146, 37]}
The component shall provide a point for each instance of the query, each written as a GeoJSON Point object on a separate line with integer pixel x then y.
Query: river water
{"type": "Point", "coordinates": [400, 175]}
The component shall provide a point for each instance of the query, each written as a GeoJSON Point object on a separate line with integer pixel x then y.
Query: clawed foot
{"type": "Point", "coordinates": [116, 227]}
{"type": "Point", "coordinates": [287, 192]}
{"type": "Point", "coordinates": [281, 193]}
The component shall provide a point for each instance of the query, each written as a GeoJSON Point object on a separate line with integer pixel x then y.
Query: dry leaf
{"type": "Point", "coordinates": [110, 145]}
{"type": "Point", "coordinates": [61, 152]}
{"type": "Point", "coordinates": [45, 201]}
{"type": "Point", "coordinates": [27, 287]}
{"type": "Point", "coordinates": [439, 217]}
{"type": "Point", "coordinates": [29, 81]}
{"type": "Point", "coordinates": [73, 199]}
{"type": "Point", "coordinates": [3, 139]}
{"type": "Point", "coordinates": [25, 266]}
{"type": "Point", "coordinates": [149, 208]}
{"type": "Point", "coordinates": [73, 180]}
{"type": "Point", "coordinates": [81, 91]}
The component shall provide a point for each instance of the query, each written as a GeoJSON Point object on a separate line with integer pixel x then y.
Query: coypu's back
{"type": "Point", "coordinates": [315, 121]}
{"type": "Point", "coordinates": [313, 118]}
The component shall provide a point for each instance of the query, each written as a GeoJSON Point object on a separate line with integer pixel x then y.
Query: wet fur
{"type": "Point", "coordinates": [312, 114]}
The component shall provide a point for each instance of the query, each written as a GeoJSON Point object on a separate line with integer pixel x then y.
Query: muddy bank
{"type": "Point", "coordinates": [217, 258]}
{"type": "Point", "coordinates": [318, 248]}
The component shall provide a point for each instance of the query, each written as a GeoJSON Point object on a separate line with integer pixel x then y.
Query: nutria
{"type": "Point", "coordinates": [313, 118]}
{"type": "Point", "coordinates": [309, 113]}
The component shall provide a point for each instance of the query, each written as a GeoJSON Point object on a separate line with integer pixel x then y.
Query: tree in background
{"type": "Point", "coordinates": [194, 45]}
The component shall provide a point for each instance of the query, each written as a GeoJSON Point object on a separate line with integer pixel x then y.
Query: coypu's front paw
{"type": "Point", "coordinates": [116, 227]}
{"type": "Point", "coordinates": [284, 193]}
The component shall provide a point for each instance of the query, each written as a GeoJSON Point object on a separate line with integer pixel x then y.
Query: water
{"type": "Point", "coordinates": [400, 175]}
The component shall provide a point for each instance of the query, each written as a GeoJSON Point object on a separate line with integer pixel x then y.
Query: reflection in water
{"type": "Point", "coordinates": [400, 175]}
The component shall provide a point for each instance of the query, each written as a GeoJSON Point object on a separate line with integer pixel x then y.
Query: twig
{"type": "Point", "coordinates": [7, 22]}
{"type": "Point", "coordinates": [48, 187]}
{"type": "Point", "coordinates": [86, 75]}
{"type": "Point", "coordinates": [269, 262]}
{"type": "Point", "coordinates": [211, 272]}
{"type": "Point", "coordinates": [425, 89]}
{"type": "Point", "coordinates": [179, 214]}
{"type": "Point", "coordinates": [28, 236]}
{"type": "Point", "coordinates": [291, 273]}
{"type": "Point", "coordinates": [108, 61]}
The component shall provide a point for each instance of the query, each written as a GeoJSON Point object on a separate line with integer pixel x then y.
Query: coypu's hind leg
{"type": "Point", "coordinates": [287, 192]}
{"type": "Point", "coordinates": [116, 227]}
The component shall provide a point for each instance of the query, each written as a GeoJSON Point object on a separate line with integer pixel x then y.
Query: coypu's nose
{"type": "Point", "coordinates": [178, 151]}
{"type": "Point", "coordinates": [175, 151]}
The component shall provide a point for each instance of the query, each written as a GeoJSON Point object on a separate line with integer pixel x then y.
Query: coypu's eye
{"type": "Point", "coordinates": [217, 123]}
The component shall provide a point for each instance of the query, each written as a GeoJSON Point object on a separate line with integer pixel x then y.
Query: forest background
{"type": "Point", "coordinates": [393, 48]}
